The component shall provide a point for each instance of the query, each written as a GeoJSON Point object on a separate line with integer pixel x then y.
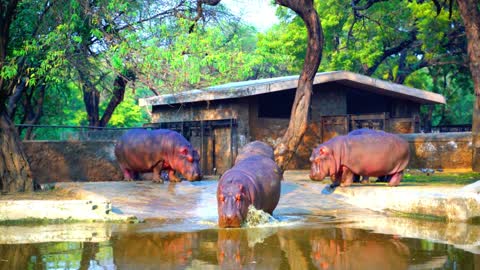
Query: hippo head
{"type": "Point", "coordinates": [188, 163]}
{"type": "Point", "coordinates": [322, 162]}
{"type": "Point", "coordinates": [233, 202]}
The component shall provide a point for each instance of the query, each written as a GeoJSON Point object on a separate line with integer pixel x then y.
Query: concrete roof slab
{"type": "Point", "coordinates": [263, 86]}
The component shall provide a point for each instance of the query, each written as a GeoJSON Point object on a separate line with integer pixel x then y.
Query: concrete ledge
{"type": "Point", "coordinates": [460, 234]}
{"type": "Point", "coordinates": [78, 232]}
{"type": "Point", "coordinates": [67, 203]}
{"type": "Point", "coordinates": [450, 203]}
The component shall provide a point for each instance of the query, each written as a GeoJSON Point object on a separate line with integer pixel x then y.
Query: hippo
{"type": "Point", "coordinates": [141, 151]}
{"type": "Point", "coordinates": [253, 180]}
{"type": "Point", "coordinates": [375, 153]}
{"type": "Point", "coordinates": [365, 179]}
{"type": "Point", "coordinates": [255, 147]}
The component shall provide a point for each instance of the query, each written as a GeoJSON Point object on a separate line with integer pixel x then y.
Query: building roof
{"type": "Point", "coordinates": [263, 86]}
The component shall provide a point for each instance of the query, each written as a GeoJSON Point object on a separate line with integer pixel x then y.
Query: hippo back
{"type": "Point", "coordinates": [255, 148]}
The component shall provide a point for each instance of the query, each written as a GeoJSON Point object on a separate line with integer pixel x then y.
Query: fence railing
{"type": "Point", "coordinates": [89, 133]}
{"type": "Point", "coordinates": [69, 132]}
{"type": "Point", "coordinates": [452, 128]}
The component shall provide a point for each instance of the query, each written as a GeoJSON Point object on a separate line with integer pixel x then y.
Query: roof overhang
{"type": "Point", "coordinates": [263, 86]}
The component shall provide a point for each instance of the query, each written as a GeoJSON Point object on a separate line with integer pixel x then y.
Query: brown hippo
{"type": "Point", "coordinates": [375, 153]}
{"type": "Point", "coordinates": [141, 151]}
{"type": "Point", "coordinates": [253, 180]}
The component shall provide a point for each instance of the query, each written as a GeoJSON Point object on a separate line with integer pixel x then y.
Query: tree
{"type": "Point", "coordinates": [297, 126]}
{"type": "Point", "coordinates": [469, 10]}
{"type": "Point", "coordinates": [288, 144]}
{"type": "Point", "coordinates": [15, 172]}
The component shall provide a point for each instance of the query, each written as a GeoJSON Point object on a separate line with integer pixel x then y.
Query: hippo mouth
{"type": "Point", "coordinates": [192, 176]}
{"type": "Point", "coordinates": [225, 222]}
{"type": "Point", "coordinates": [315, 172]}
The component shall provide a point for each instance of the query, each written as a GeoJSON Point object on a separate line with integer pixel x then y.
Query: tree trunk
{"type": "Point", "coordinates": [118, 93]}
{"type": "Point", "coordinates": [36, 114]}
{"type": "Point", "coordinates": [427, 120]}
{"type": "Point", "coordinates": [469, 10]}
{"type": "Point", "coordinates": [297, 126]}
{"type": "Point", "coordinates": [14, 98]}
{"type": "Point", "coordinates": [91, 99]}
{"type": "Point", "coordinates": [15, 172]}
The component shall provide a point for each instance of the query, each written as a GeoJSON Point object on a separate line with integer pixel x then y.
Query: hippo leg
{"type": "Point", "coordinates": [384, 178]}
{"type": "Point", "coordinates": [157, 177]}
{"type": "Point", "coordinates": [347, 177]}
{"type": "Point", "coordinates": [396, 178]}
{"type": "Point", "coordinates": [128, 174]}
{"type": "Point", "coordinates": [336, 179]}
{"type": "Point", "coordinates": [172, 177]}
{"type": "Point", "coordinates": [365, 180]}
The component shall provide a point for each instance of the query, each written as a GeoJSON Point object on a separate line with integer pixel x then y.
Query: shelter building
{"type": "Point", "coordinates": [221, 119]}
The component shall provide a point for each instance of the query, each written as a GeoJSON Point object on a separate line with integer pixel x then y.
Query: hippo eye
{"type": "Point", "coordinates": [222, 198]}
{"type": "Point", "coordinates": [237, 197]}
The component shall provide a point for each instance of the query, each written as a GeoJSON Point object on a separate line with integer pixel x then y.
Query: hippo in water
{"type": "Point", "coordinates": [375, 153]}
{"type": "Point", "coordinates": [253, 180]}
{"type": "Point", "coordinates": [141, 151]}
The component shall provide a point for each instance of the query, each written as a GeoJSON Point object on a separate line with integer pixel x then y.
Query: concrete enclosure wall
{"type": "Point", "coordinates": [67, 161]}
{"type": "Point", "coordinates": [63, 161]}
{"type": "Point", "coordinates": [451, 151]}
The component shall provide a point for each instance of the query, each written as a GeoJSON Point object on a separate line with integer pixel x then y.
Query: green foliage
{"type": "Point", "coordinates": [129, 114]}
{"type": "Point", "coordinates": [67, 45]}
{"type": "Point", "coordinates": [401, 41]}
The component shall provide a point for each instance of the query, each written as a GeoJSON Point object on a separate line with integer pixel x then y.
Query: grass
{"type": "Point", "coordinates": [441, 178]}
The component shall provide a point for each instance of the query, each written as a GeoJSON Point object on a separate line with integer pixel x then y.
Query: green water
{"type": "Point", "coordinates": [323, 244]}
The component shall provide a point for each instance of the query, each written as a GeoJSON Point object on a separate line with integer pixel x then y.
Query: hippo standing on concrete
{"type": "Point", "coordinates": [141, 151]}
{"type": "Point", "coordinates": [374, 153]}
{"type": "Point", "coordinates": [365, 179]}
{"type": "Point", "coordinates": [253, 180]}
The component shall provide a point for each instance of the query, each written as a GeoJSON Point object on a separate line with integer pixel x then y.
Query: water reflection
{"type": "Point", "coordinates": [314, 247]}
{"type": "Point", "coordinates": [68, 255]}
{"type": "Point", "coordinates": [155, 250]}
{"type": "Point", "coordinates": [350, 249]}
{"type": "Point", "coordinates": [236, 250]}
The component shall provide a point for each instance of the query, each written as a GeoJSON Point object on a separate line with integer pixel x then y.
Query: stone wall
{"type": "Point", "coordinates": [66, 161]}
{"type": "Point", "coordinates": [451, 151]}
{"type": "Point", "coordinates": [271, 130]}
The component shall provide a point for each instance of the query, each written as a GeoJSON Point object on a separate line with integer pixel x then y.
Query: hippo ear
{"type": "Point", "coordinates": [184, 151]}
{"type": "Point", "coordinates": [323, 150]}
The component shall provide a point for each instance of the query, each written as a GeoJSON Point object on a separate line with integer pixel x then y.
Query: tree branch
{"type": "Point", "coordinates": [367, 5]}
